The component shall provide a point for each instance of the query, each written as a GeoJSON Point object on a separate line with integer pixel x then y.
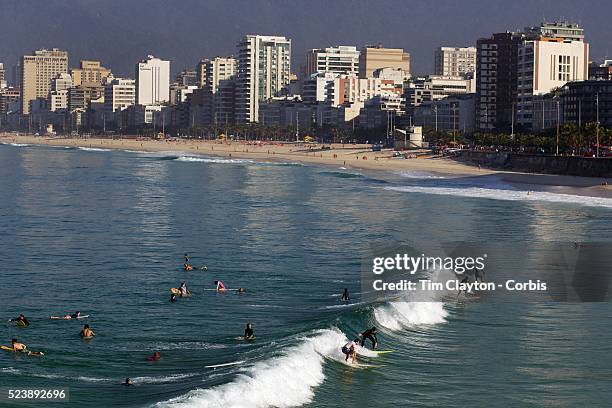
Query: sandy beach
{"type": "Point", "coordinates": [348, 156]}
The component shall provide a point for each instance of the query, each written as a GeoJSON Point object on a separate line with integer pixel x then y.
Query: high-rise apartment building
{"type": "Point", "coordinates": [372, 58]}
{"type": "Point", "coordinates": [152, 81]}
{"type": "Point", "coordinates": [119, 93]}
{"type": "Point", "coordinates": [338, 60]}
{"type": "Point", "coordinates": [455, 61]}
{"type": "Point", "coordinates": [544, 64]}
{"type": "Point", "coordinates": [37, 72]}
{"type": "Point", "coordinates": [264, 69]}
{"type": "Point", "coordinates": [89, 73]}
{"type": "Point", "coordinates": [496, 81]}
{"type": "Point", "coordinates": [212, 71]}
{"type": "Point", "coordinates": [2, 77]}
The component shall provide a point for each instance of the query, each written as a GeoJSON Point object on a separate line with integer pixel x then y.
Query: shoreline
{"type": "Point", "coordinates": [349, 156]}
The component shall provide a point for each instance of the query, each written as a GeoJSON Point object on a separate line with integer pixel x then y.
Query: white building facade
{"type": "Point", "coordinates": [544, 65]}
{"type": "Point", "coordinates": [119, 93]}
{"type": "Point", "coordinates": [455, 61]}
{"type": "Point", "coordinates": [152, 81]}
{"type": "Point", "coordinates": [342, 59]}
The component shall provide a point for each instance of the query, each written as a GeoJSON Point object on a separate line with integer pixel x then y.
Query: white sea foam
{"type": "Point", "coordinates": [193, 159]}
{"type": "Point", "coordinates": [508, 195]}
{"type": "Point", "coordinates": [18, 144]}
{"type": "Point", "coordinates": [397, 315]}
{"type": "Point", "coordinates": [94, 149]}
{"type": "Point", "coordinates": [415, 308]}
{"type": "Point", "coordinates": [284, 381]}
{"type": "Point", "coordinates": [416, 174]}
{"type": "Point", "coordinates": [162, 379]}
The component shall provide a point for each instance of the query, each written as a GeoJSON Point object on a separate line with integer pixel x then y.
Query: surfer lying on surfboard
{"type": "Point", "coordinates": [220, 286]}
{"type": "Point", "coordinates": [76, 315]}
{"type": "Point", "coordinates": [20, 320]}
{"type": "Point", "coordinates": [17, 347]}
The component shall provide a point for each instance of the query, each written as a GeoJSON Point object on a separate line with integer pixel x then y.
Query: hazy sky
{"type": "Point", "coordinates": [120, 32]}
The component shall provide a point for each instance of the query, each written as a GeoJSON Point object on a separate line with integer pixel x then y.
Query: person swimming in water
{"type": "Point", "coordinates": [220, 286]}
{"type": "Point", "coordinates": [21, 318]}
{"type": "Point", "coordinates": [248, 332]}
{"type": "Point", "coordinates": [172, 297]}
{"type": "Point", "coordinates": [187, 267]}
{"type": "Point", "coordinates": [18, 347]}
{"type": "Point", "coordinates": [183, 289]}
{"type": "Point", "coordinates": [156, 356]}
{"type": "Point", "coordinates": [371, 335]}
{"type": "Point", "coordinates": [350, 350]}
{"type": "Point", "coordinates": [345, 296]}
{"type": "Point", "coordinates": [128, 382]}
{"type": "Point", "coordinates": [241, 291]}
{"type": "Point", "coordinates": [186, 258]}
{"type": "Point", "coordinates": [87, 333]}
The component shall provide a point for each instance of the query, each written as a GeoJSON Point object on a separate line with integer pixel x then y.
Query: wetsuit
{"type": "Point", "coordinates": [20, 319]}
{"type": "Point", "coordinates": [369, 334]}
{"type": "Point", "coordinates": [248, 333]}
{"type": "Point", "coordinates": [345, 295]}
{"type": "Point", "coordinates": [348, 349]}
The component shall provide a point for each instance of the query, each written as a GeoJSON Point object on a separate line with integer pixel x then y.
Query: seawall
{"type": "Point", "coordinates": [531, 163]}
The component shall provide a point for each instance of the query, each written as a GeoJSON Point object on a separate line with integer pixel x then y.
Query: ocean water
{"type": "Point", "coordinates": [104, 232]}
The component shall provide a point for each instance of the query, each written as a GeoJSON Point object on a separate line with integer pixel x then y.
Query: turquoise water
{"type": "Point", "coordinates": [104, 232]}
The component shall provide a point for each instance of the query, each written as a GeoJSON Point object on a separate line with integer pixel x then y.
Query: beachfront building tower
{"type": "Point", "coordinates": [152, 81]}
{"type": "Point", "coordinates": [264, 69]}
{"type": "Point", "coordinates": [89, 74]}
{"type": "Point", "coordinates": [455, 61]}
{"type": "Point", "coordinates": [376, 57]}
{"type": "Point", "coordinates": [37, 73]}
{"type": "Point", "coordinates": [119, 93]}
{"type": "Point", "coordinates": [338, 60]}
{"type": "Point", "coordinates": [547, 62]}
{"type": "Point", "coordinates": [496, 81]}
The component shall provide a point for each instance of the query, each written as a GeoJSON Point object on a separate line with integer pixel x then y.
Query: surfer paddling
{"type": "Point", "coordinates": [75, 315]}
{"type": "Point", "coordinates": [20, 320]}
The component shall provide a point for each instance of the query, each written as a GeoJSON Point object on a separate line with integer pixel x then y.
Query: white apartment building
{"type": "Point", "coordinates": [545, 64]}
{"type": "Point", "coordinates": [264, 69]}
{"type": "Point", "coordinates": [455, 61]}
{"type": "Point", "coordinates": [152, 81]}
{"type": "Point", "coordinates": [119, 93]}
{"type": "Point", "coordinates": [342, 59]}
{"type": "Point", "coordinates": [58, 100]}
{"type": "Point", "coordinates": [212, 71]}
{"type": "Point", "coordinates": [436, 87]}
{"type": "Point", "coordinates": [61, 82]}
